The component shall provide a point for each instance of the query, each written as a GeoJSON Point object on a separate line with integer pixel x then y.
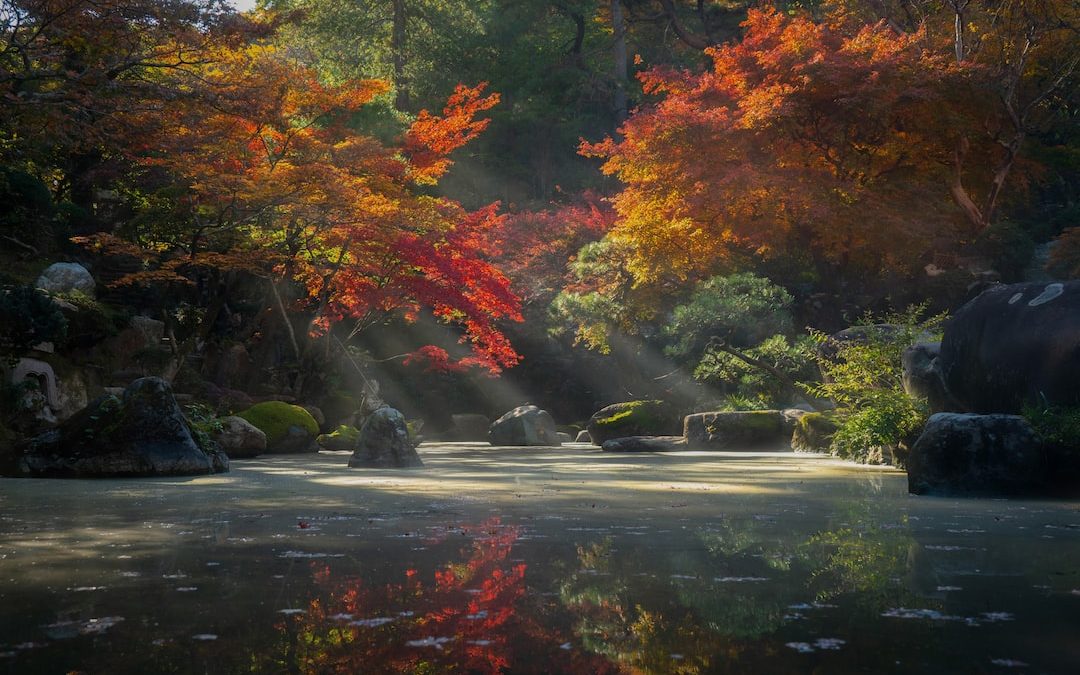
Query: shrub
{"type": "Point", "coordinates": [863, 377]}
{"type": "Point", "coordinates": [29, 318]}
{"type": "Point", "coordinates": [93, 322]}
{"type": "Point", "coordinates": [751, 388]}
{"type": "Point", "coordinates": [741, 309]}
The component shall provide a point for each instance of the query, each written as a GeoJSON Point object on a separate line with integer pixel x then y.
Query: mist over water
{"type": "Point", "coordinates": [533, 560]}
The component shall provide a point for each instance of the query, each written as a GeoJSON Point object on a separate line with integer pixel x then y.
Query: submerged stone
{"type": "Point", "coordinates": [633, 418]}
{"type": "Point", "coordinates": [524, 425]}
{"type": "Point", "coordinates": [384, 442]}
{"type": "Point", "coordinates": [645, 444]}
{"type": "Point", "coordinates": [741, 430]}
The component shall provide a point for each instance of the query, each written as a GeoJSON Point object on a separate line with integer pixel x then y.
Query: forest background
{"type": "Point", "coordinates": [602, 200]}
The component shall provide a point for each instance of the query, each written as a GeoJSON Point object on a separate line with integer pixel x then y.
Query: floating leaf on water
{"type": "Point", "coordinates": [736, 580]}
{"type": "Point", "coordinates": [437, 643]}
{"type": "Point", "coordinates": [931, 614]}
{"type": "Point", "coordinates": [374, 623]}
{"type": "Point", "coordinates": [830, 643]}
{"type": "Point", "coordinates": [994, 617]}
{"type": "Point", "coordinates": [302, 554]}
{"type": "Point", "coordinates": [1009, 663]}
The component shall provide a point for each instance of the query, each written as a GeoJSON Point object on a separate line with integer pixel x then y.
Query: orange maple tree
{"type": "Point", "coordinates": [272, 174]}
{"type": "Point", "coordinates": [831, 143]}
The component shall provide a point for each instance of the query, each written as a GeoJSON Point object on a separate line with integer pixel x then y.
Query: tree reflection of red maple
{"type": "Point", "coordinates": [475, 618]}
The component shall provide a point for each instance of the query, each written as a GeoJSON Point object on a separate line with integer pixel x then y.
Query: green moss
{"type": "Point", "coordinates": [274, 418]}
{"type": "Point", "coordinates": [813, 432]}
{"type": "Point", "coordinates": [342, 438]}
{"type": "Point", "coordinates": [636, 413]}
{"type": "Point", "coordinates": [751, 420]}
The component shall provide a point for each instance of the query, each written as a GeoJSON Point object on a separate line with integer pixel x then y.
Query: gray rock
{"type": "Point", "coordinates": [142, 434]}
{"type": "Point", "coordinates": [152, 331]}
{"type": "Point", "coordinates": [744, 430]}
{"type": "Point", "coordinates": [65, 278]}
{"type": "Point", "coordinates": [563, 437]}
{"type": "Point", "coordinates": [468, 427]}
{"type": "Point", "coordinates": [1013, 346]}
{"type": "Point", "coordinates": [317, 414]}
{"type": "Point", "coordinates": [384, 442]}
{"type": "Point", "coordinates": [524, 425]}
{"type": "Point", "coordinates": [633, 418]}
{"type": "Point", "coordinates": [583, 437]}
{"type": "Point", "coordinates": [978, 455]}
{"type": "Point", "coordinates": [644, 444]}
{"type": "Point", "coordinates": [240, 438]}
{"type": "Point", "coordinates": [921, 375]}
{"type": "Point", "coordinates": [296, 440]}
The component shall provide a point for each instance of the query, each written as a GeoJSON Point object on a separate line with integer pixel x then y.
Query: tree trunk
{"type": "Point", "coordinates": [397, 48]}
{"type": "Point", "coordinates": [618, 49]}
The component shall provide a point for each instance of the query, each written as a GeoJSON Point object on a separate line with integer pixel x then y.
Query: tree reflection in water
{"type": "Point", "coordinates": [473, 617]}
{"type": "Point", "coordinates": [722, 599]}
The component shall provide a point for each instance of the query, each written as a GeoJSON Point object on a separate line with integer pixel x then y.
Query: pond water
{"type": "Point", "coordinates": [534, 561]}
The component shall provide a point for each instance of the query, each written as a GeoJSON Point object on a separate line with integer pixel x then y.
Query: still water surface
{"type": "Point", "coordinates": [534, 561]}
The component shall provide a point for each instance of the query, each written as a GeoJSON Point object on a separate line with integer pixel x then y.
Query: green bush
{"type": "Point", "coordinates": [751, 388]}
{"type": "Point", "coordinates": [93, 322]}
{"type": "Point", "coordinates": [741, 309]}
{"type": "Point", "coordinates": [863, 378]}
{"type": "Point", "coordinates": [274, 418]}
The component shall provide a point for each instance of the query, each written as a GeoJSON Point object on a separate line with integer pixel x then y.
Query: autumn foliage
{"type": "Point", "coordinates": [826, 144]}
{"type": "Point", "coordinates": [271, 170]}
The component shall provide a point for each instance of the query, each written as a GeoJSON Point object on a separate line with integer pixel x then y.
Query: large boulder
{"type": "Point", "coordinates": [1013, 346]}
{"type": "Point", "coordinates": [240, 438]}
{"type": "Point", "coordinates": [524, 425]}
{"type": "Point", "coordinates": [66, 278]}
{"type": "Point", "coordinates": [288, 428]}
{"type": "Point", "coordinates": [633, 418]}
{"type": "Point", "coordinates": [742, 430]}
{"type": "Point", "coordinates": [143, 433]}
{"type": "Point", "coordinates": [979, 455]}
{"type": "Point", "coordinates": [384, 442]}
{"type": "Point", "coordinates": [644, 444]}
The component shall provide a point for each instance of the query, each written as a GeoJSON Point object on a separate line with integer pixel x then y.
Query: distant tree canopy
{"type": "Point", "coordinates": [606, 161]}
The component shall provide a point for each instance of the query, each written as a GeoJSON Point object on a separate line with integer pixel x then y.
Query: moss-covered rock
{"type": "Point", "coordinates": [288, 428]}
{"type": "Point", "coordinates": [742, 430]}
{"type": "Point", "coordinates": [633, 418]}
{"type": "Point", "coordinates": [813, 433]}
{"type": "Point", "coordinates": [340, 439]}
